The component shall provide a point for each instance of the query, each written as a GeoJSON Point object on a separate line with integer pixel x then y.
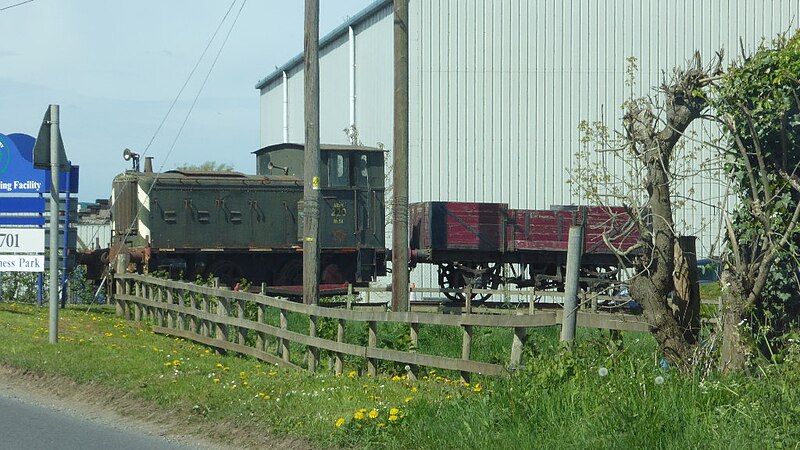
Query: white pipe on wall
{"type": "Point", "coordinates": [285, 107]}
{"type": "Point", "coordinates": [352, 47]}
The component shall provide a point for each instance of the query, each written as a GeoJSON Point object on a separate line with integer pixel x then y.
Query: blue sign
{"type": "Point", "coordinates": [17, 174]}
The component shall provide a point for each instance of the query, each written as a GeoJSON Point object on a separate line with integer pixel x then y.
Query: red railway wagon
{"type": "Point", "coordinates": [470, 242]}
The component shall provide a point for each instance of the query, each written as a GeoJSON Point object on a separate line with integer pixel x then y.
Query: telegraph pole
{"type": "Point", "coordinates": [311, 184]}
{"type": "Point", "coordinates": [400, 160]}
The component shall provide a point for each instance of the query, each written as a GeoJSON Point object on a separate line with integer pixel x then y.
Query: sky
{"type": "Point", "coordinates": [115, 67]}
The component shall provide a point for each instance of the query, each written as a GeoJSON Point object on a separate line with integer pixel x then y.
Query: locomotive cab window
{"type": "Point", "coordinates": [338, 169]}
{"type": "Point", "coordinates": [361, 170]}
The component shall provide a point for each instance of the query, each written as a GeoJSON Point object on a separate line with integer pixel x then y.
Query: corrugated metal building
{"type": "Point", "coordinates": [498, 88]}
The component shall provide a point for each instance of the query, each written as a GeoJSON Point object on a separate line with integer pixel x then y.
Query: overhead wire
{"type": "Point", "coordinates": [191, 108]}
{"type": "Point", "coordinates": [15, 5]}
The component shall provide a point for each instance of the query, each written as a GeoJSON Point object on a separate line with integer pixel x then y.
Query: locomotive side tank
{"type": "Point", "coordinates": [234, 226]}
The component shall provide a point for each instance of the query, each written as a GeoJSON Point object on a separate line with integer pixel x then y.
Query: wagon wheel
{"type": "Point", "coordinates": [487, 276]}
{"type": "Point", "coordinates": [228, 272]}
{"type": "Point", "coordinates": [457, 276]}
{"type": "Point", "coordinates": [599, 278]}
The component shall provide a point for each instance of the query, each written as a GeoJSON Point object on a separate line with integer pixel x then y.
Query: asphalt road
{"type": "Point", "coordinates": [27, 425]}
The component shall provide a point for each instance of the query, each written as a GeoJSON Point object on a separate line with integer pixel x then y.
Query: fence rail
{"type": "Point", "coordinates": [225, 319]}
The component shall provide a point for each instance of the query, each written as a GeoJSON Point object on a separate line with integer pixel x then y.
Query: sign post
{"type": "Point", "coordinates": [56, 159]}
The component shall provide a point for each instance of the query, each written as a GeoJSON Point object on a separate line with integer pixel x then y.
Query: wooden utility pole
{"type": "Point", "coordinates": [400, 160]}
{"type": "Point", "coordinates": [311, 184]}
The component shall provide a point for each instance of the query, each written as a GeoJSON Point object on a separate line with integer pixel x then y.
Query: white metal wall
{"type": "Point", "coordinates": [498, 88]}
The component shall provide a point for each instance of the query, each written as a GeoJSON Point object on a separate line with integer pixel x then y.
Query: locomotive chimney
{"type": "Point", "coordinates": [148, 164]}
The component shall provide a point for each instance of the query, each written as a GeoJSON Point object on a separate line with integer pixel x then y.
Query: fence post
{"type": "Point", "coordinates": [122, 267]}
{"type": "Point", "coordinates": [520, 333]}
{"type": "Point", "coordinates": [193, 317]}
{"type": "Point", "coordinates": [223, 310]}
{"type": "Point", "coordinates": [372, 342]}
{"type": "Point", "coordinates": [349, 296]}
{"type": "Point", "coordinates": [339, 364]}
{"type": "Point", "coordinates": [182, 303]}
{"type": "Point", "coordinates": [313, 352]}
{"type": "Point", "coordinates": [467, 298]}
{"type": "Point", "coordinates": [571, 285]}
{"type": "Point", "coordinates": [241, 332]}
{"type": "Point", "coordinates": [414, 344]}
{"type": "Point", "coordinates": [170, 315]}
{"type": "Point", "coordinates": [159, 310]}
{"type": "Point", "coordinates": [137, 307]}
{"type": "Point", "coordinates": [150, 315]}
{"type": "Point", "coordinates": [466, 350]}
{"type": "Point", "coordinates": [261, 341]}
{"type": "Point", "coordinates": [284, 343]}
{"type": "Point", "coordinates": [531, 300]}
{"type": "Point", "coordinates": [205, 328]}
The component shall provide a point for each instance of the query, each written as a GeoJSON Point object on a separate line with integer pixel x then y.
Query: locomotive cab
{"type": "Point", "coordinates": [352, 204]}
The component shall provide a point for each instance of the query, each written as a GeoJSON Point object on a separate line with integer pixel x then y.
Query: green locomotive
{"type": "Point", "coordinates": [237, 226]}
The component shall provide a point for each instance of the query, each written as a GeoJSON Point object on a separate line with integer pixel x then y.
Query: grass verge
{"type": "Point", "coordinates": [596, 396]}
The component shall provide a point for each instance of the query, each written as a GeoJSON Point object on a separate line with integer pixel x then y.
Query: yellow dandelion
{"type": "Point", "coordinates": [168, 363]}
{"type": "Point", "coordinates": [225, 369]}
{"type": "Point", "coordinates": [219, 365]}
{"type": "Point", "coordinates": [261, 394]}
{"type": "Point", "coordinates": [352, 374]}
{"type": "Point", "coordinates": [448, 397]}
{"type": "Point", "coordinates": [414, 389]}
{"type": "Point", "coordinates": [373, 414]}
{"type": "Point", "coordinates": [339, 422]}
{"type": "Point", "coordinates": [477, 388]}
{"type": "Point", "coordinates": [266, 397]}
{"type": "Point", "coordinates": [407, 399]}
{"type": "Point", "coordinates": [381, 425]}
{"type": "Point", "coordinates": [393, 418]}
{"type": "Point", "coordinates": [216, 380]}
{"type": "Point", "coordinates": [358, 415]}
{"type": "Point", "coordinates": [108, 334]}
{"type": "Point", "coordinates": [394, 411]}
{"type": "Point", "coordinates": [244, 383]}
{"type": "Point", "coordinates": [176, 363]}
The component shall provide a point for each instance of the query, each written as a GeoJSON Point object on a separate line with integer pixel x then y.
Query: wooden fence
{"type": "Point", "coordinates": [223, 319]}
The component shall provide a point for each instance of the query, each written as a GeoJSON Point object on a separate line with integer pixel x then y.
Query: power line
{"type": "Point", "coordinates": [197, 96]}
{"type": "Point", "coordinates": [202, 85]}
{"type": "Point", "coordinates": [191, 74]}
{"type": "Point", "coordinates": [17, 4]}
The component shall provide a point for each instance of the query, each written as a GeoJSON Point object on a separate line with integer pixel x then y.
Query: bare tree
{"type": "Point", "coordinates": [652, 133]}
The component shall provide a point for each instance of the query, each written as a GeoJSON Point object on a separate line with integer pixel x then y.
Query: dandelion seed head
{"type": "Point", "coordinates": [602, 371]}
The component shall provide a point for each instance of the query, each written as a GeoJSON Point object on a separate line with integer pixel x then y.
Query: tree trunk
{"type": "Point", "coordinates": [686, 301]}
{"type": "Point", "coordinates": [666, 329]}
{"type": "Point", "coordinates": [733, 357]}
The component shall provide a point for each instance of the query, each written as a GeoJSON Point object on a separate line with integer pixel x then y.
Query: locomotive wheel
{"type": "Point", "coordinates": [291, 274]}
{"type": "Point", "coordinates": [228, 272]}
{"type": "Point", "coordinates": [457, 276]}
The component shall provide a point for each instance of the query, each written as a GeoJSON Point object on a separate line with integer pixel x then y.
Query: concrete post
{"type": "Point", "coordinates": [571, 285]}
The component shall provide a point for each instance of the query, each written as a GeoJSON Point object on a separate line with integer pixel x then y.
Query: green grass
{"type": "Point", "coordinates": [557, 400]}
